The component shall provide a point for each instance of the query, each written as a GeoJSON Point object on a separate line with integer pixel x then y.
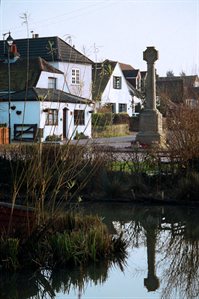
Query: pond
{"type": "Point", "coordinates": [162, 260]}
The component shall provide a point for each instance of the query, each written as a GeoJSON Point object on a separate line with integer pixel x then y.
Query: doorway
{"type": "Point", "coordinates": [64, 122]}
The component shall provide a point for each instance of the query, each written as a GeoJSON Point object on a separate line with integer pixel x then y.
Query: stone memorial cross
{"type": "Point", "coordinates": [150, 55]}
{"type": "Point", "coordinates": [150, 121]}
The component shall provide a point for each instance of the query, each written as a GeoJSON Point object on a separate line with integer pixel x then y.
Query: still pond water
{"type": "Point", "coordinates": [162, 261]}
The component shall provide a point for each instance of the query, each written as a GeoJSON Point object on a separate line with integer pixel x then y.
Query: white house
{"type": "Point", "coordinates": [39, 104]}
{"type": "Point", "coordinates": [110, 86]}
{"type": "Point", "coordinates": [77, 68]}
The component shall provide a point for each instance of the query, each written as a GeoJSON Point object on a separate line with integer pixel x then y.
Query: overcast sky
{"type": "Point", "coordinates": [114, 29]}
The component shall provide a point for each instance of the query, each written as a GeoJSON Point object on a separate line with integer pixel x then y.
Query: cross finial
{"type": "Point", "coordinates": [150, 55]}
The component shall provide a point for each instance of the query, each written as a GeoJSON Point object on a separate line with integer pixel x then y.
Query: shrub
{"type": "Point", "coordinates": [80, 136]}
{"type": "Point", "coordinates": [114, 184]}
{"type": "Point", "coordinates": [53, 137]}
{"type": "Point", "coordinates": [188, 187]}
{"type": "Point", "coordinates": [102, 119]}
{"type": "Point", "coordinates": [121, 118]}
{"type": "Point", "coordinates": [134, 123]}
{"type": "Point", "coordinates": [182, 134]}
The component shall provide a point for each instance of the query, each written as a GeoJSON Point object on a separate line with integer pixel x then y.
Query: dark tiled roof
{"type": "Point", "coordinates": [134, 92]}
{"type": "Point", "coordinates": [130, 73]}
{"type": "Point", "coordinates": [187, 80]}
{"type": "Point", "coordinates": [44, 94]}
{"type": "Point", "coordinates": [190, 80]}
{"type": "Point", "coordinates": [170, 88]}
{"type": "Point", "coordinates": [49, 48]}
{"type": "Point", "coordinates": [126, 67]}
{"type": "Point", "coordinates": [18, 73]}
{"type": "Point", "coordinates": [177, 88]}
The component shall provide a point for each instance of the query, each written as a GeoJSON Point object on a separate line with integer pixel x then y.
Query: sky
{"type": "Point", "coordinates": [119, 30]}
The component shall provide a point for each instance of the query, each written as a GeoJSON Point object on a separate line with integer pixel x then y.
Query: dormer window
{"type": "Point", "coordinates": [117, 82]}
{"type": "Point", "coordinates": [52, 83]}
{"type": "Point", "coordinates": [75, 76]}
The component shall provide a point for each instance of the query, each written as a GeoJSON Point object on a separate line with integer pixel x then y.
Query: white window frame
{"type": "Point", "coordinates": [117, 82]}
{"type": "Point", "coordinates": [75, 76]}
{"type": "Point", "coordinates": [79, 117]}
{"type": "Point", "coordinates": [52, 117]}
{"type": "Point", "coordinates": [52, 82]}
{"type": "Point", "coordinates": [122, 107]}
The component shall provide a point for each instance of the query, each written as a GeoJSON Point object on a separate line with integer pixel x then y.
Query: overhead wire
{"type": "Point", "coordinates": [70, 15]}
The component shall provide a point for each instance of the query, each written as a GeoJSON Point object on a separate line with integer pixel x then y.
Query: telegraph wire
{"type": "Point", "coordinates": [70, 15]}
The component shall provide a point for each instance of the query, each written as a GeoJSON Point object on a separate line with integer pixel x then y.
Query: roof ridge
{"type": "Point", "coordinates": [130, 67]}
{"type": "Point", "coordinates": [72, 48]}
{"type": "Point", "coordinates": [57, 50]}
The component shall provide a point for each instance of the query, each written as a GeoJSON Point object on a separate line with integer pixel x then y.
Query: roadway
{"type": "Point", "coordinates": [118, 142]}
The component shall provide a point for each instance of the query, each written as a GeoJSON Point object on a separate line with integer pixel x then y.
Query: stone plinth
{"type": "Point", "coordinates": [150, 127]}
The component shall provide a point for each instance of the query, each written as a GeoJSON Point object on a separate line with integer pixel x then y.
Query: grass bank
{"type": "Point", "coordinates": [66, 240]}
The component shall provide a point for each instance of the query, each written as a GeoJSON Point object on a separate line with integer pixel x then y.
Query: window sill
{"type": "Point", "coordinates": [51, 125]}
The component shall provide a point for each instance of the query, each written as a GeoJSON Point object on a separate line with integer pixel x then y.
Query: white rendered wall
{"type": "Point", "coordinates": [60, 81]}
{"type": "Point", "coordinates": [32, 113]}
{"type": "Point", "coordinates": [84, 88]}
{"type": "Point", "coordinates": [116, 96]}
{"type": "Point", "coordinates": [71, 128]}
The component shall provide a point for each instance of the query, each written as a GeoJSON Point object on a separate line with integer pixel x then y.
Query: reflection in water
{"type": "Point", "coordinates": [171, 236]}
{"type": "Point", "coordinates": [19, 285]}
{"type": "Point", "coordinates": [152, 281]}
{"type": "Point", "coordinates": [46, 283]}
{"type": "Point", "coordinates": [182, 256]}
{"type": "Point", "coordinates": [172, 232]}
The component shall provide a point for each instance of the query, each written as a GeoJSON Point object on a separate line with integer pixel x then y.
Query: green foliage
{"type": "Point", "coordinates": [108, 124]}
{"type": "Point", "coordinates": [79, 247]}
{"type": "Point", "coordinates": [80, 136]}
{"type": "Point", "coordinates": [65, 240]}
{"type": "Point", "coordinates": [120, 118]}
{"type": "Point", "coordinates": [188, 187]}
{"type": "Point", "coordinates": [102, 119]}
{"type": "Point", "coordinates": [111, 131]}
{"type": "Point", "coordinates": [109, 118]}
{"type": "Point", "coordinates": [114, 184]}
{"type": "Point", "coordinates": [9, 249]}
{"type": "Point", "coordinates": [53, 137]}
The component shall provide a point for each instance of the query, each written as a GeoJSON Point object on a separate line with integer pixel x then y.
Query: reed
{"type": "Point", "coordinates": [67, 240]}
{"type": "Point", "coordinates": [9, 249]}
{"type": "Point", "coordinates": [46, 176]}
